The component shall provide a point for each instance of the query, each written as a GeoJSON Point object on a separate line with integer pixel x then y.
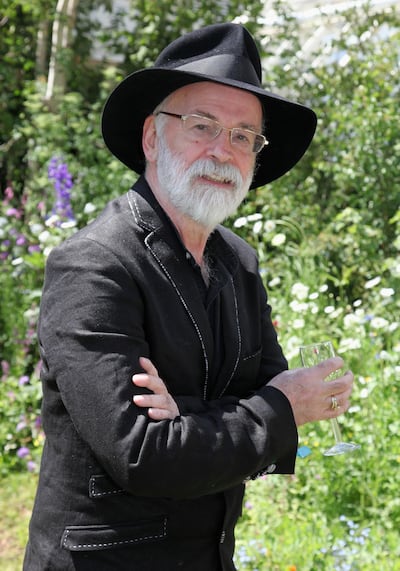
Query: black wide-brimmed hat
{"type": "Point", "coordinates": [221, 53]}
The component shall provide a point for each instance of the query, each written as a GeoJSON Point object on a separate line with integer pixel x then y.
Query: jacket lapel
{"type": "Point", "coordinates": [167, 250]}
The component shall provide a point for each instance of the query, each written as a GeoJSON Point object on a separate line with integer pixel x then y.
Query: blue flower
{"type": "Point", "coordinates": [63, 183]}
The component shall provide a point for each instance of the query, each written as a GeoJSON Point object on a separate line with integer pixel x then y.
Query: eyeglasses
{"type": "Point", "coordinates": [203, 129]}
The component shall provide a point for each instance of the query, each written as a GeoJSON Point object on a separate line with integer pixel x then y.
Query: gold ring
{"type": "Point", "coordinates": [334, 403]}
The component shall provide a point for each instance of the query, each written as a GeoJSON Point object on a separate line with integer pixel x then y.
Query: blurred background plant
{"type": "Point", "coordinates": [327, 236]}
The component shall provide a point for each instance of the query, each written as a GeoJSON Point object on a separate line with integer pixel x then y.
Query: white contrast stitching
{"type": "Point", "coordinates": [189, 312]}
{"type": "Point", "coordinates": [252, 356]}
{"type": "Point", "coordinates": [97, 494]}
{"type": "Point", "coordinates": [111, 543]}
{"type": "Point", "coordinates": [136, 211]}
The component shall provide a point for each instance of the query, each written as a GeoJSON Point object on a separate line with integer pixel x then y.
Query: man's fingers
{"type": "Point", "coordinates": [154, 384]}
{"type": "Point", "coordinates": [155, 412]}
{"type": "Point", "coordinates": [148, 366]}
{"type": "Point", "coordinates": [160, 414]}
{"type": "Point", "coordinates": [150, 401]}
{"type": "Point", "coordinates": [160, 404]}
{"type": "Point", "coordinates": [338, 399]}
{"type": "Point", "coordinates": [149, 379]}
{"type": "Point", "coordinates": [342, 384]}
{"type": "Point", "coordinates": [337, 403]}
{"type": "Point", "coordinates": [330, 365]}
{"type": "Point", "coordinates": [160, 407]}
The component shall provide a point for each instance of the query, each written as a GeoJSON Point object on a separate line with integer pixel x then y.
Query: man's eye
{"type": "Point", "coordinates": [242, 137]}
{"type": "Point", "coordinates": [202, 127]}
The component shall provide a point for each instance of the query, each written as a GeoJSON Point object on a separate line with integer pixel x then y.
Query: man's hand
{"type": "Point", "coordinates": [161, 405]}
{"type": "Point", "coordinates": [310, 395]}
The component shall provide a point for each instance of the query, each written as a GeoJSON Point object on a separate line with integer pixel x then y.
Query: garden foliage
{"type": "Point", "coordinates": [327, 236]}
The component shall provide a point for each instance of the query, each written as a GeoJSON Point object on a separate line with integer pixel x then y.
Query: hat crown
{"type": "Point", "coordinates": [220, 51]}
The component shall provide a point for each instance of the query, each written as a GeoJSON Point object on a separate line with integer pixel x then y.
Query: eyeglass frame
{"type": "Point", "coordinates": [183, 118]}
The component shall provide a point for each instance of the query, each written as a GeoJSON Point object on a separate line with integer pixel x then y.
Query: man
{"type": "Point", "coordinates": [164, 385]}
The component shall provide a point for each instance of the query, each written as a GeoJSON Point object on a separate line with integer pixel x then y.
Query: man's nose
{"type": "Point", "coordinates": [221, 146]}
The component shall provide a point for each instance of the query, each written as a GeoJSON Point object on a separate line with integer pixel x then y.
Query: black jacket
{"type": "Point", "coordinates": [118, 491]}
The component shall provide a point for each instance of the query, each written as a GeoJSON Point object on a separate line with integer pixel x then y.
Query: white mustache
{"type": "Point", "coordinates": [209, 168]}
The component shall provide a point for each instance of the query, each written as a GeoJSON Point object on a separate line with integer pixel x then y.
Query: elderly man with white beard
{"type": "Point", "coordinates": [164, 385]}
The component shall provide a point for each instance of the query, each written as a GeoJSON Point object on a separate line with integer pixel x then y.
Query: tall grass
{"type": "Point", "coordinates": [16, 501]}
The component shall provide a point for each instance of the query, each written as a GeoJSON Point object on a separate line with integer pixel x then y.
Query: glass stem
{"type": "Point", "coordinates": [336, 430]}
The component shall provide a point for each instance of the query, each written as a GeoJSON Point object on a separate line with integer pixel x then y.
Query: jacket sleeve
{"type": "Point", "coordinates": [91, 335]}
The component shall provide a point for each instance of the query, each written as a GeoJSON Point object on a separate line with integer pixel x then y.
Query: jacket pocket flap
{"type": "Point", "coordinates": [96, 537]}
{"type": "Point", "coordinates": [101, 486]}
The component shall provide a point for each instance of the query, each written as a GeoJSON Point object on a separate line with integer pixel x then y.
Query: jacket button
{"type": "Point", "coordinates": [271, 468]}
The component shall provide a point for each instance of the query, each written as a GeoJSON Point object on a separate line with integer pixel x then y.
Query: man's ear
{"type": "Point", "coordinates": [149, 139]}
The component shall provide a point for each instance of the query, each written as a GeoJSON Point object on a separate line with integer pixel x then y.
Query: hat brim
{"type": "Point", "coordinates": [290, 126]}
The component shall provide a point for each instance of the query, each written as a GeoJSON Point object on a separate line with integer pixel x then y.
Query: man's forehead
{"type": "Point", "coordinates": [207, 92]}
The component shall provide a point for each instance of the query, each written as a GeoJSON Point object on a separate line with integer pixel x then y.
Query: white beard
{"type": "Point", "coordinates": [201, 202]}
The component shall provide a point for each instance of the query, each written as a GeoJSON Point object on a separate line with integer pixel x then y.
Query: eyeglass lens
{"type": "Point", "coordinates": [205, 129]}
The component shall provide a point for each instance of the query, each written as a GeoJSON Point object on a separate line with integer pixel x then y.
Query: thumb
{"type": "Point", "coordinates": [330, 366]}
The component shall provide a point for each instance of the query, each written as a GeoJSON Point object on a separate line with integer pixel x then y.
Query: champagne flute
{"type": "Point", "coordinates": [310, 356]}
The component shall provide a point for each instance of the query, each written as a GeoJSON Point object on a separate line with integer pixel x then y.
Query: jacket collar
{"type": "Point", "coordinates": [163, 241]}
{"type": "Point", "coordinates": [150, 216]}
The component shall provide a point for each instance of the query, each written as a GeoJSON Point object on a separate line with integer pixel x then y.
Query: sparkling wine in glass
{"type": "Point", "coordinates": [312, 355]}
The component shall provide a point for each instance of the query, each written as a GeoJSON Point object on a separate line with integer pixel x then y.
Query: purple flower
{"type": "Point", "coordinates": [34, 248]}
{"type": "Point", "coordinates": [20, 241]}
{"type": "Point", "coordinates": [20, 426]}
{"type": "Point", "coordinates": [9, 194]}
{"type": "Point", "coordinates": [14, 212]}
{"type": "Point", "coordinates": [23, 380]}
{"type": "Point", "coordinates": [62, 180]}
{"type": "Point", "coordinates": [23, 452]}
{"type": "Point", "coordinates": [31, 465]}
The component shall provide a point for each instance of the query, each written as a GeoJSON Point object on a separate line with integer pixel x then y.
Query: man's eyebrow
{"type": "Point", "coordinates": [242, 125]}
{"type": "Point", "coordinates": [204, 114]}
